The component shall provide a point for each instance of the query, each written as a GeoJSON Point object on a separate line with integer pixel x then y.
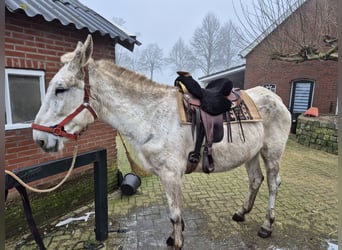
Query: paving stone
{"type": "Point", "coordinates": [306, 214]}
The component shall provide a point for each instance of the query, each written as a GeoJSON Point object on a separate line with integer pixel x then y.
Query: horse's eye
{"type": "Point", "coordinates": [59, 91]}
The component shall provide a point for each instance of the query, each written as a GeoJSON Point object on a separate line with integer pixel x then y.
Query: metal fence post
{"type": "Point", "coordinates": [101, 200]}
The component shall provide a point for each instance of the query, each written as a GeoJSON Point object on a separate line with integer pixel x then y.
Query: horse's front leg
{"type": "Point", "coordinates": [172, 183]}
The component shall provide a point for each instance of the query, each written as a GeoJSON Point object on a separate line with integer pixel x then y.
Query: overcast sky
{"type": "Point", "coordinates": [163, 21]}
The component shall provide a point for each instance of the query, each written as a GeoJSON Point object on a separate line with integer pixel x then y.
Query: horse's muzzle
{"type": "Point", "coordinates": [47, 141]}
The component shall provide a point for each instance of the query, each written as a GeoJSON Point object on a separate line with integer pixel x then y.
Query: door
{"type": "Point", "coordinates": [301, 99]}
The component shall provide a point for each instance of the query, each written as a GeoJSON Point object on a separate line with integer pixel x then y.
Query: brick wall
{"type": "Point", "coordinates": [21, 151]}
{"type": "Point", "coordinates": [260, 69]}
{"type": "Point", "coordinates": [33, 43]}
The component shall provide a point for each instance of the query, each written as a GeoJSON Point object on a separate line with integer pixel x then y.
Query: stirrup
{"type": "Point", "coordinates": [208, 161]}
{"type": "Point", "coordinates": [193, 160]}
{"type": "Point", "coordinates": [194, 157]}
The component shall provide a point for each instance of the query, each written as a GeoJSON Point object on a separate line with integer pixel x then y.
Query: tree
{"type": "Point", "coordinates": [181, 57]}
{"type": "Point", "coordinates": [129, 60]}
{"type": "Point", "coordinates": [151, 59]}
{"type": "Point", "coordinates": [228, 49]}
{"type": "Point", "coordinates": [205, 44]}
{"type": "Point", "coordinates": [214, 46]}
{"type": "Point", "coordinates": [312, 34]}
{"type": "Point", "coordinates": [148, 59]}
{"type": "Point", "coordinates": [123, 56]}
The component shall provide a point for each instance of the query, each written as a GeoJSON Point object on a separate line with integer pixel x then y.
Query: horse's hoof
{"type": "Point", "coordinates": [238, 218]}
{"type": "Point", "coordinates": [170, 241]}
{"type": "Point", "coordinates": [264, 233]}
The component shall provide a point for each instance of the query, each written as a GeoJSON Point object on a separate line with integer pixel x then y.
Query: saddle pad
{"type": "Point", "coordinates": [246, 110]}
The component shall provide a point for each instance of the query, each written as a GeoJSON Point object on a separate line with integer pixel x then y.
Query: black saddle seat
{"type": "Point", "coordinates": [214, 97]}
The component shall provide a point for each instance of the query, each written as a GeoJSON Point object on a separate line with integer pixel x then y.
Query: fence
{"type": "Point", "coordinates": [98, 158]}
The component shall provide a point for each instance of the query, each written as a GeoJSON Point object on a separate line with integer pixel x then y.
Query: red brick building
{"type": "Point", "coordinates": [301, 85]}
{"type": "Point", "coordinates": [37, 33]}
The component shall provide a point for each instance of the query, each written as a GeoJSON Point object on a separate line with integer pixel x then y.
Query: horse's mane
{"type": "Point", "coordinates": [131, 80]}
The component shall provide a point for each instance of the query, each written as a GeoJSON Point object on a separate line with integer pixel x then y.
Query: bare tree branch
{"type": "Point", "coordinates": [294, 30]}
{"type": "Point", "coordinates": [205, 43]}
{"type": "Point", "coordinates": [312, 53]}
{"type": "Point", "coordinates": [214, 46]}
{"type": "Point", "coordinates": [181, 57]}
{"type": "Point", "coordinates": [151, 59]}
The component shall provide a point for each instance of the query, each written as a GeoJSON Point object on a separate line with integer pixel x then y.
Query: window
{"type": "Point", "coordinates": [24, 92]}
{"type": "Point", "coordinates": [302, 92]}
{"type": "Point", "coordinates": [271, 86]}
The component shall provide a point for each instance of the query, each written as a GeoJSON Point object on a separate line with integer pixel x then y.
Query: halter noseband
{"type": "Point", "coordinates": [59, 128]}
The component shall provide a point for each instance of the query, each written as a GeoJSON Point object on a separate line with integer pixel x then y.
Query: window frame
{"type": "Point", "coordinates": [9, 125]}
{"type": "Point", "coordinates": [293, 88]}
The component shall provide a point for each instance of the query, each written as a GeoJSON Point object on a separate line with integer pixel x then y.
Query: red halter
{"type": "Point", "coordinates": [59, 128]}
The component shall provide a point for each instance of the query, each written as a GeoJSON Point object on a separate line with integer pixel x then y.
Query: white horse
{"type": "Point", "coordinates": [146, 113]}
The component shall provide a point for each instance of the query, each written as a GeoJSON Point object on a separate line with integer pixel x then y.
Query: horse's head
{"type": "Point", "coordinates": [65, 110]}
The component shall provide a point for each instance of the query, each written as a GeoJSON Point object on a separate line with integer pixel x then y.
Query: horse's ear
{"type": "Point", "coordinates": [87, 50]}
{"type": "Point", "coordinates": [80, 56]}
{"type": "Point", "coordinates": [69, 56]}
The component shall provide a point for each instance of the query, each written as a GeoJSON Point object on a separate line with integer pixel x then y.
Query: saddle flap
{"type": "Point", "coordinates": [213, 126]}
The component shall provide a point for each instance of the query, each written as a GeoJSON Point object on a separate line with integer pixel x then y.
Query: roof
{"type": "Point", "coordinates": [271, 28]}
{"type": "Point", "coordinates": [223, 73]}
{"type": "Point", "coordinates": [73, 12]}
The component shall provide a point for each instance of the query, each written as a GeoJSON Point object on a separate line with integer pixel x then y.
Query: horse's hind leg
{"type": "Point", "coordinates": [273, 181]}
{"type": "Point", "coordinates": [172, 184]}
{"type": "Point", "coordinates": [255, 177]}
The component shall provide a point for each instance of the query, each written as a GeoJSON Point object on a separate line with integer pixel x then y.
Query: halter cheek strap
{"type": "Point", "coordinates": [59, 128]}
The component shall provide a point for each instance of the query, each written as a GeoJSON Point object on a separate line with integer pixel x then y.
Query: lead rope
{"type": "Point", "coordinates": [20, 181]}
{"type": "Point", "coordinates": [26, 203]}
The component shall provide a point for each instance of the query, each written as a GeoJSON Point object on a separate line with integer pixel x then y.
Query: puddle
{"type": "Point", "coordinates": [332, 245]}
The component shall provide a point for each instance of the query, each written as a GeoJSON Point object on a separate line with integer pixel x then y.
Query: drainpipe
{"type": "Point", "coordinates": [336, 112]}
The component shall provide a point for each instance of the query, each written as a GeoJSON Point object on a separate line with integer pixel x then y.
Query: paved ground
{"type": "Point", "coordinates": [306, 213]}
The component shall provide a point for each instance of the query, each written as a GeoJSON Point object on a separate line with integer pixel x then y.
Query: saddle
{"type": "Point", "coordinates": [207, 109]}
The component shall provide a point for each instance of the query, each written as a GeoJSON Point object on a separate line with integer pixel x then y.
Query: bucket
{"type": "Point", "coordinates": [130, 184]}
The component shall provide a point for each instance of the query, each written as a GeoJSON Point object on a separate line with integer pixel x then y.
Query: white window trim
{"type": "Point", "coordinates": [25, 72]}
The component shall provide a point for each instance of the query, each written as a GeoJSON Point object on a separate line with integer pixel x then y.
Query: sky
{"type": "Point", "coordinates": [164, 21]}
